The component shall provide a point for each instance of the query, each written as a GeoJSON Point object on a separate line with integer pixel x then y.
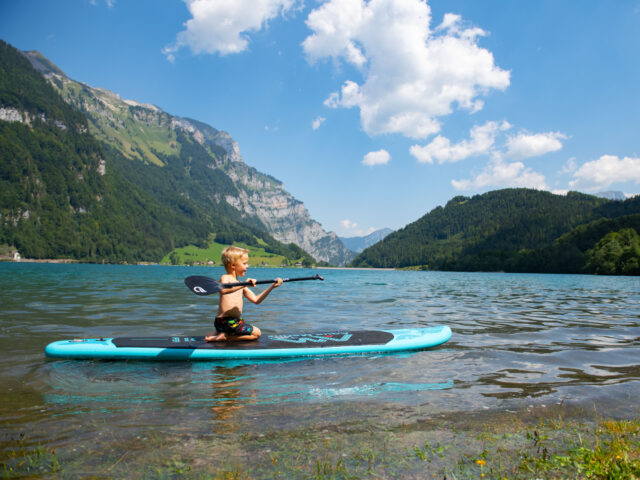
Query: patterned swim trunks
{"type": "Point", "coordinates": [232, 326]}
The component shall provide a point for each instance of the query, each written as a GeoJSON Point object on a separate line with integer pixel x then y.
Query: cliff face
{"type": "Point", "coordinates": [146, 133]}
{"type": "Point", "coordinates": [264, 197]}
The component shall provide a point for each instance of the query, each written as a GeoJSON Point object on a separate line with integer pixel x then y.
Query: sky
{"type": "Point", "coordinates": [374, 112]}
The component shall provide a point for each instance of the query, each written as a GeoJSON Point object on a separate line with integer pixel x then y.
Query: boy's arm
{"type": "Point", "coordinates": [257, 299]}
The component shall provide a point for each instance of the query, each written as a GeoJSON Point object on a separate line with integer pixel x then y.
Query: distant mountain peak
{"type": "Point", "coordinates": [612, 195]}
{"type": "Point", "coordinates": [41, 63]}
{"type": "Point", "coordinates": [358, 244]}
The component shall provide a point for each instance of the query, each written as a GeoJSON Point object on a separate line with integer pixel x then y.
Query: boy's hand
{"type": "Point", "coordinates": [278, 282]}
{"type": "Point", "coordinates": [252, 281]}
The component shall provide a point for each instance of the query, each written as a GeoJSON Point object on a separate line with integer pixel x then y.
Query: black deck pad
{"type": "Point", "coordinates": [299, 340]}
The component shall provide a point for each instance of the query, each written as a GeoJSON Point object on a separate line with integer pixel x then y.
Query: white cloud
{"type": "Point", "coordinates": [109, 3]}
{"type": "Point", "coordinates": [381, 157]}
{"type": "Point", "coordinates": [481, 141]}
{"type": "Point", "coordinates": [348, 224]}
{"type": "Point", "coordinates": [317, 122]}
{"type": "Point", "coordinates": [608, 169]}
{"type": "Point", "coordinates": [526, 145]}
{"type": "Point", "coordinates": [221, 26]}
{"type": "Point", "coordinates": [569, 167]}
{"type": "Point", "coordinates": [501, 174]}
{"type": "Point", "coordinates": [351, 229]}
{"type": "Point", "coordinates": [413, 75]}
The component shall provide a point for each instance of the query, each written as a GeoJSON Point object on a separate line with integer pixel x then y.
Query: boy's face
{"type": "Point", "coordinates": [241, 266]}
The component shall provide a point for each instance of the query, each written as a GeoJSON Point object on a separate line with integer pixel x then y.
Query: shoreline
{"type": "Point", "coordinates": [71, 260]}
{"type": "Point", "coordinates": [40, 260]}
{"type": "Point", "coordinates": [356, 268]}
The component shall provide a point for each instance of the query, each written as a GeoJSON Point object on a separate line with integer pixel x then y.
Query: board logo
{"type": "Point", "coordinates": [314, 338]}
{"type": "Point", "coordinates": [198, 289]}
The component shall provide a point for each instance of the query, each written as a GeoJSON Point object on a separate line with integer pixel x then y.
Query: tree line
{"type": "Point", "coordinates": [517, 230]}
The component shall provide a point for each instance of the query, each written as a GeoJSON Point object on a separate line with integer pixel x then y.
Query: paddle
{"type": "Point", "coordinates": [206, 285]}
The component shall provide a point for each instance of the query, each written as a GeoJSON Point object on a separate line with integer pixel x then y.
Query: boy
{"type": "Point", "coordinates": [229, 323]}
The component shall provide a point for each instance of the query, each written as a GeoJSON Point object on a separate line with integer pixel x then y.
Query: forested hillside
{"type": "Point", "coordinates": [513, 230]}
{"type": "Point", "coordinates": [64, 194]}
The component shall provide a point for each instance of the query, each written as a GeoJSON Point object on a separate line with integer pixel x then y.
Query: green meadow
{"type": "Point", "coordinates": [192, 255]}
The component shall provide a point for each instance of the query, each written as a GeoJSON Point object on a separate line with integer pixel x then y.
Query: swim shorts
{"type": "Point", "coordinates": [232, 326]}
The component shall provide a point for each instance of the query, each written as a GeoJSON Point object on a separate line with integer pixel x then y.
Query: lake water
{"type": "Point", "coordinates": [520, 342]}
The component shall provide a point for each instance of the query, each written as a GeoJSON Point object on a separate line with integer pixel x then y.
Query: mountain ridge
{"type": "Point", "coordinates": [66, 194]}
{"type": "Point", "coordinates": [359, 243]}
{"type": "Point", "coordinates": [147, 133]}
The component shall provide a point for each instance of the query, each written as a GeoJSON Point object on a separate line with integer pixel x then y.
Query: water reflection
{"type": "Point", "coordinates": [227, 398]}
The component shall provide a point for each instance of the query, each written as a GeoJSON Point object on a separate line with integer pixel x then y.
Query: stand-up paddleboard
{"type": "Point", "coordinates": [268, 346]}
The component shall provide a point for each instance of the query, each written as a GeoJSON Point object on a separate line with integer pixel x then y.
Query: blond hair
{"type": "Point", "coordinates": [232, 254]}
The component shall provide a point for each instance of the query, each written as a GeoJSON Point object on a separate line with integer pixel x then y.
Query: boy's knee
{"type": "Point", "coordinates": [256, 332]}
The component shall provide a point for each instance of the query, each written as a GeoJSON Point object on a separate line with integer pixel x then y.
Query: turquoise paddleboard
{"type": "Point", "coordinates": [268, 346]}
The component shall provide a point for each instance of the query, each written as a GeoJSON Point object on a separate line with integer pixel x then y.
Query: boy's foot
{"type": "Point", "coordinates": [215, 337]}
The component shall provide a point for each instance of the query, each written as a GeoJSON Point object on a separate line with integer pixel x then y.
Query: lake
{"type": "Point", "coordinates": [522, 344]}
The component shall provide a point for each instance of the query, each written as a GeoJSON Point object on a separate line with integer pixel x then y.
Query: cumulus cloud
{"type": "Point", "coordinates": [317, 122]}
{"type": "Point", "coordinates": [608, 169]}
{"type": "Point", "coordinates": [381, 157]}
{"type": "Point", "coordinates": [221, 26]}
{"type": "Point", "coordinates": [527, 145]}
{"type": "Point", "coordinates": [413, 75]}
{"type": "Point", "coordinates": [481, 141]}
{"type": "Point", "coordinates": [503, 174]}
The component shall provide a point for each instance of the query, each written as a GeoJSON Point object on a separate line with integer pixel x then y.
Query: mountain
{"type": "Point", "coordinates": [147, 133]}
{"type": "Point", "coordinates": [64, 193]}
{"type": "Point", "coordinates": [188, 167]}
{"type": "Point", "coordinates": [358, 244]}
{"type": "Point", "coordinates": [511, 230]}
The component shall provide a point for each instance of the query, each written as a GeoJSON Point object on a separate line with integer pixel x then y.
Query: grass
{"type": "Point", "coordinates": [551, 448]}
{"type": "Point", "coordinates": [134, 139]}
{"type": "Point", "coordinates": [22, 459]}
{"type": "Point", "coordinates": [612, 452]}
{"type": "Point", "coordinates": [576, 451]}
{"type": "Point", "coordinates": [192, 255]}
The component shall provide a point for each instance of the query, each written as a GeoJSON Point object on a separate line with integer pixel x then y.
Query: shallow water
{"type": "Point", "coordinates": [519, 341]}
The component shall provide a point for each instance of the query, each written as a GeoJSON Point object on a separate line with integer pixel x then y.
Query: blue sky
{"type": "Point", "coordinates": [374, 112]}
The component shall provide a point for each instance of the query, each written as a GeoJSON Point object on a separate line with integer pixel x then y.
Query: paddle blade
{"type": "Point", "coordinates": [202, 285]}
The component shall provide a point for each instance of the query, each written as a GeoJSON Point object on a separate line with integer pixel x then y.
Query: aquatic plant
{"type": "Point", "coordinates": [22, 458]}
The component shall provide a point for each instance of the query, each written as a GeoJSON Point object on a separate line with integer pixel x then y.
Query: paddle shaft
{"type": "Point", "coordinates": [262, 282]}
{"type": "Point", "coordinates": [206, 286]}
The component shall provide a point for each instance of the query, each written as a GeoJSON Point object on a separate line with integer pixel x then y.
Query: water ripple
{"type": "Point", "coordinates": [515, 338]}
